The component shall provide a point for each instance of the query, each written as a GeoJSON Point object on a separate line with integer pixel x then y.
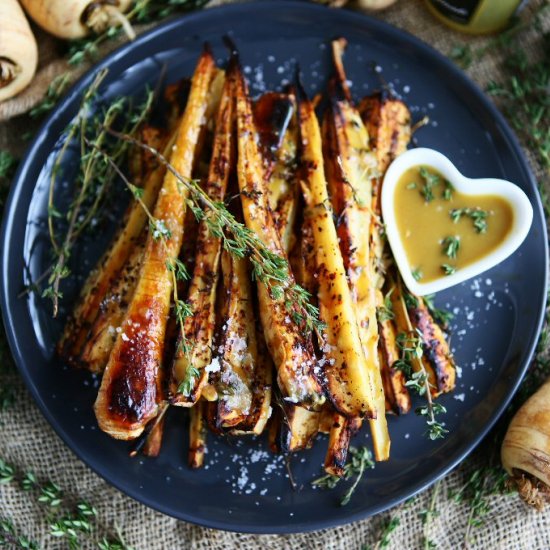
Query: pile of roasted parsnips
{"type": "Point", "coordinates": [311, 193]}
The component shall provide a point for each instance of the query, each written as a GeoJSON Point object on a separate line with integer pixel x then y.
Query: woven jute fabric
{"type": "Point", "coordinates": [28, 442]}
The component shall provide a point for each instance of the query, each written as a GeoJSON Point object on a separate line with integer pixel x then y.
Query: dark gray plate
{"type": "Point", "coordinates": [498, 315]}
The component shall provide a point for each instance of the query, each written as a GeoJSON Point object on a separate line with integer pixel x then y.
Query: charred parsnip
{"type": "Point", "coordinates": [199, 328]}
{"type": "Point", "coordinates": [197, 435]}
{"type": "Point", "coordinates": [350, 169]}
{"type": "Point", "coordinates": [290, 348]}
{"type": "Point", "coordinates": [130, 389]}
{"type": "Point", "coordinates": [88, 321]}
{"type": "Point", "coordinates": [397, 394]}
{"type": "Point", "coordinates": [277, 120]}
{"type": "Point", "coordinates": [436, 348]}
{"type": "Point", "coordinates": [239, 350]}
{"type": "Point", "coordinates": [388, 125]}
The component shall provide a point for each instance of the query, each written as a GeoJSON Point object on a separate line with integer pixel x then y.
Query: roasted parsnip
{"type": "Point", "coordinates": [197, 435]}
{"type": "Point", "coordinates": [76, 334]}
{"type": "Point", "coordinates": [199, 328]}
{"type": "Point", "coordinates": [238, 348]}
{"type": "Point", "coordinates": [397, 394]}
{"type": "Point", "coordinates": [129, 393]}
{"type": "Point", "coordinates": [290, 348]}
{"type": "Point", "coordinates": [436, 348]}
{"type": "Point", "coordinates": [350, 169]}
{"type": "Point", "coordinates": [388, 123]}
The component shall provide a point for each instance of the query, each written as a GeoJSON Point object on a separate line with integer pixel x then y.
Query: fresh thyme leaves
{"type": "Point", "coordinates": [477, 215]}
{"type": "Point", "coordinates": [385, 312]}
{"type": "Point", "coordinates": [94, 176]}
{"type": "Point", "coordinates": [56, 89]}
{"type": "Point", "coordinates": [72, 523]}
{"type": "Point", "coordinates": [475, 492]}
{"type": "Point", "coordinates": [8, 164]}
{"type": "Point", "coordinates": [448, 190]}
{"type": "Point", "coordinates": [142, 12]}
{"type": "Point", "coordinates": [522, 93]}
{"type": "Point", "coordinates": [267, 267]}
{"type": "Point", "coordinates": [188, 383]}
{"type": "Point", "coordinates": [411, 301]}
{"type": "Point", "coordinates": [417, 274]}
{"type": "Point", "coordinates": [448, 269]}
{"type": "Point", "coordinates": [360, 460]}
{"type": "Point", "coordinates": [7, 472]}
{"type": "Point", "coordinates": [451, 246]}
{"type": "Point", "coordinates": [431, 180]}
{"type": "Point", "coordinates": [388, 527]}
{"type": "Point", "coordinates": [427, 515]}
{"type": "Point", "coordinates": [411, 350]}
{"type": "Point", "coordinates": [441, 316]}
{"type": "Point", "coordinates": [436, 430]}
{"type": "Point", "coordinates": [9, 537]}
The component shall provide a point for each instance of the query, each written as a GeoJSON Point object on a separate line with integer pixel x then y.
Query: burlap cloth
{"type": "Point", "coordinates": [30, 443]}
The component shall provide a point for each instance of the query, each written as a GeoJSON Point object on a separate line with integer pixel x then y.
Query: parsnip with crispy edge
{"type": "Point", "coordinates": [290, 348]}
{"type": "Point", "coordinates": [277, 118]}
{"type": "Point", "coordinates": [199, 328]}
{"type": "Point", "coordinates": [81, 327]}
{"type": "Point", "coordinates": [129, 393]}
{"type": "Point", "coordinates": [350, 169]}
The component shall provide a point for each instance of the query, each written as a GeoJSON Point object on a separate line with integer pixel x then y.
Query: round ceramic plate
{"type": "Point", "coordinates": [497, 316]}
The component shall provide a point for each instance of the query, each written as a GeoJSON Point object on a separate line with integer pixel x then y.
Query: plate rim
{"type": "Point", "coordinates": [18, 181]}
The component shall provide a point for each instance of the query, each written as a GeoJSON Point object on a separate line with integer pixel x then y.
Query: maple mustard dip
{"type": "Point", "coordinates": [443, 230]}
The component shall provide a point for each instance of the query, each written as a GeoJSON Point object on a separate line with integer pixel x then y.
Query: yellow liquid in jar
{"type": "Point", "coordinates": [474, 16]}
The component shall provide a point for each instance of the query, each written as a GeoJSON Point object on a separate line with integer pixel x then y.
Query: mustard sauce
{"type": "Point", "coordinates": [443, 230]}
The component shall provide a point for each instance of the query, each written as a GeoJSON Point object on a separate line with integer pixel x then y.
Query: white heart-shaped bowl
{"type": "Point", "coordinates": [521, 208]}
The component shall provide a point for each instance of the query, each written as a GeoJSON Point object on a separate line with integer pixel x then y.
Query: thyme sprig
{"type": "Point", "coordinates": [360, 460]}
{"type": "Point", "coordinates": [93, 179]}
{"type": "Point", "coordinates": [385, 311]}
{"type": "Point", "coordinates": [481, 484]}
{"type": "Point", "coordinates": [267, 267]}
{"type": "Point", "coordinates": [411, 349]}
{"type": "Point", "coordinates": [448, 269]}
{"type": "Point", "coordinates": [10, 538]}
{"type": "Point", "coordinates": [74, 523]}
{"type": "Point", "coordinates": [427, 515]}
{"type": "Point", "coordinates": [441, 316]}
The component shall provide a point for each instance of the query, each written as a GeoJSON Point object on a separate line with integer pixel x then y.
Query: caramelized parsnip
{"type": "Point", "coordinates": [130, 389]}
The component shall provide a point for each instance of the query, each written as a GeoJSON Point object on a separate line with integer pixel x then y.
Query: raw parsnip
{"type": "Point", "coordinates": [18, 50]}
{"type": "Point", "coordinates": [76, 18]}
{"type": "Point", "coordinates": [525, 452]}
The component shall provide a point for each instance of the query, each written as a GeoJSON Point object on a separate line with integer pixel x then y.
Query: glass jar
{"type": "Point", "coordinates": [475, 16]}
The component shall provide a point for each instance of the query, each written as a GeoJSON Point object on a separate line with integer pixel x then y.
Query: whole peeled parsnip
{"type": "Point", "coordinates": [77, 18]}
{"type": "Point", "coordinates": [525, 450]}
{"type": "Point", "coordinates": [18, 50]}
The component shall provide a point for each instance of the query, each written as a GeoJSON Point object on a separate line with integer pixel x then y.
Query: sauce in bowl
{"type": "Point", "coordinates": [442, 229]}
